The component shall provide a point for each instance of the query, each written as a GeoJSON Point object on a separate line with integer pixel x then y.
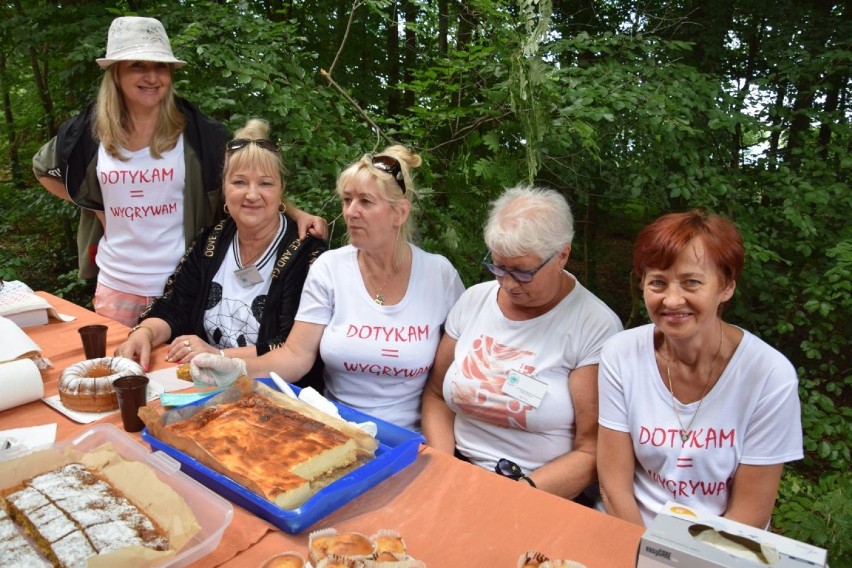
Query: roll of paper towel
{"type": "Point", "coordinates": [20, 383]}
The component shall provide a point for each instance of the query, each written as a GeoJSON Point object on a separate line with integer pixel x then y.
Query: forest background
{"type": "Point", "coordinates": [630, 109]}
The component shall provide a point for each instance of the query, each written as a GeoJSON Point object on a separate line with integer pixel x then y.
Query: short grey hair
{"type": "Point", "coordinates": [529, 220]}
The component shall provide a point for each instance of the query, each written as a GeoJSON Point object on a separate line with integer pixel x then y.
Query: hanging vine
{"type": "Point", "coordinates": [528, 74]}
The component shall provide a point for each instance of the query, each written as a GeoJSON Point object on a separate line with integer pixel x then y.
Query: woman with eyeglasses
{"type": "Point", "coordinates": [372, 310]}
{"type": "Point", "coordinates": [514, 385]}
{"type": "Point", "coordinates": [694, 409]}
{"type": "Point", "coordinates": [145, 167]}
{"type": "Point", "coordinates": [236, 290]}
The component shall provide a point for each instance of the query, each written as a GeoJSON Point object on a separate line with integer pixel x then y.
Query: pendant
{"type": "Point", "coordinates": [379, 299]}
{"type": "Point", "coordinates": [684, 435]}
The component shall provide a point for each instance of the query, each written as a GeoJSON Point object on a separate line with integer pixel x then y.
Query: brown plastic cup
{"type": "Point", "coordinates": [132, 393]}
{"type": "Point", "coordinates": [94, 340]}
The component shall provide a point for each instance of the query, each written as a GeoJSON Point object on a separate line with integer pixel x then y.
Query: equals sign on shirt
{"type": "Point", "coordinates": [137, 193]}
{"type": "Point", "coordinates": [684, 462]}
{"type": "Point", "coordinates": [394, 353]}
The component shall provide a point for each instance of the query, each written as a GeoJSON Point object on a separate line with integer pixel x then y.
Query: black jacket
{"type": "Point", "coordinates": [187, 292]}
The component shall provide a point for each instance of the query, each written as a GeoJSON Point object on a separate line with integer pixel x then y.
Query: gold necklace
{"type": "Point", "coordinates": [684, 432]}
{"type": "Point", "coordinates": [380, 296]}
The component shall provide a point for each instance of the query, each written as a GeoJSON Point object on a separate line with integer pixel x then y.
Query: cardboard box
{"type": "Point", "coordinates": [683, 536]}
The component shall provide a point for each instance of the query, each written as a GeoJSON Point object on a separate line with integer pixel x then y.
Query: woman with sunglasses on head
{"type": "Point", "coordinates": [514, 386]}
{"type": "Point", "coordinates": [237, 288]}
{"type": "Point", "coordinates": [693, 409]}
{"type": "Point", "coordinates": [373, 309]}
{"type": "Point", "coordinates": [145, 167]}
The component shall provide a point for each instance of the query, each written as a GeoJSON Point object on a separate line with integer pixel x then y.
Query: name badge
{"type": "Point", "coordinates": [248, 276]}
{"type": "Point", "coordinates": [525, 388]}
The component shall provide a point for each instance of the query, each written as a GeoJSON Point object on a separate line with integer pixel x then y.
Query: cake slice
{"type": "Point", "coordinates": [15, 550]}
{"type": "Point", "coordinates": [71, 513]}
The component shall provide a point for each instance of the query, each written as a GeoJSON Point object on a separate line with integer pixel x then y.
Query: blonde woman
{"type": "Point", "coordinates": [237, 288]}
{"type": "Point", "coordinates": [373, 309]}
{"type": "Point", "coordinates": [145, 166]}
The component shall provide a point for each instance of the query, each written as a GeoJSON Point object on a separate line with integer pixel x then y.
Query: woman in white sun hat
{"type": "Point", "coordinates": [145, 166]}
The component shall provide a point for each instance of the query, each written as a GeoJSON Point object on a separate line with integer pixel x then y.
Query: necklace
{"type": "Point", "coordinates": [379, 298]}
{"type": "Point", "coordinates": [684, 432]}
{"type": "Point", "coordinates": [268, 249]}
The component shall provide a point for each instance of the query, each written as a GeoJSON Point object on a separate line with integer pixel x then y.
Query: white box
{"type": "Point", "coordinates": [672, 539]}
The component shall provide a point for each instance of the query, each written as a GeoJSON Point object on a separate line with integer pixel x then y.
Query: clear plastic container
{"type": "Point", "coordinates": [213, 513]}
{"type": "Point", "coordinates": [398, 448]}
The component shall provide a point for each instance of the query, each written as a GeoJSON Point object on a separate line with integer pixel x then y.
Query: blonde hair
{"type": "Point", "coordinates": [111, 122]}
{"type": "Point", "coordinates": [388, 185]}
{"type": "Point", "coordinates": [252, 156]}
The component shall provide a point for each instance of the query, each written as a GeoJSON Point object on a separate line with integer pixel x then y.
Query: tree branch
{"type": "Point", "coordinates": [332, 83]}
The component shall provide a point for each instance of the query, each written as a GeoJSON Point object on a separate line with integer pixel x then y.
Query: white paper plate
{"type": "Point", "coordinates": [154, 390]}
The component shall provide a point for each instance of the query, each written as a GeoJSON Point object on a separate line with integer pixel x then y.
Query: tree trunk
{"type": "Point", "coordinates": [40, 78]}
{"type": "Point", "coordinates": [814, 40]}
{"type": "Point", "coordinates": [832, 98]}
{"type": "Point", "coordinates": [410, 59]}
{"type": "Point", "coordinates": [443, 27]}
{"type": "Point", "coordinates": [754, 42]}
{"type": "Point", "coordinates": [14, 158]}
{"type": "Point", "coordinates": [775, 113]}
{"type": "Point", "coordinates": [394, 99]}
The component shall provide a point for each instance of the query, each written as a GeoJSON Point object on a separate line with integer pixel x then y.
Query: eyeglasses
{"type": "Point", "coordinates": [391, 166]}
{"type": "Point", "coordinates": [522, 276]}
{"type": "Point", "coordinates": [240, 143]}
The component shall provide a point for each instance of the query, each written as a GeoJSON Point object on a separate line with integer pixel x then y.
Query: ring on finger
{"type": "Point", "coordinates": [186, 342]}
{"type": "Point", "coordinates": [189, 348]}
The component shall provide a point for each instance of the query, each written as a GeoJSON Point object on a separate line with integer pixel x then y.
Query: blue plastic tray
{"type": "Point", "coordinates": [398, 448]}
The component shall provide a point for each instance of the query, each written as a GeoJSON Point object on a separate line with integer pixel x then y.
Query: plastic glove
{"type": "Point", "coordinates": [209, 369]}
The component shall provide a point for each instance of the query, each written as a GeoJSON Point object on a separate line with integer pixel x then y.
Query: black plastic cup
{"type": "Point", "coordinates": [132, 393]}
{"type": "Point", "coordinates": [94, 340]}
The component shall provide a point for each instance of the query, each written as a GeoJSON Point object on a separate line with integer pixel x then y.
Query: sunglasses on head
{"type": "Point", "coordinates": [391, 166]}
{"type": "Point", "coordinates": [240, 143]}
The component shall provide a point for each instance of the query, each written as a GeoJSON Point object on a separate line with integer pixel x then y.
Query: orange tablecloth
{"type": "Point", "coordinates": [450, 513]}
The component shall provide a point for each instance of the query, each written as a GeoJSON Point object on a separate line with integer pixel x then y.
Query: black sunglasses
{"type": "Point", "coordinates": [522, 276]}
{"type": "Point", "coordinates": [508, 468]}
{"type": "Point", "coordinates": [391, 166]}
{"type": "Point", "coordinates": [240, 143]}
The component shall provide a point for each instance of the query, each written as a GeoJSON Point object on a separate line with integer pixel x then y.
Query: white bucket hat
{"type": "Point", "coordinates": [138, 39]}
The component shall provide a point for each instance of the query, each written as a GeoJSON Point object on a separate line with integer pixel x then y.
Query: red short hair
{"type": "Point", "coordinates": [660, 243]}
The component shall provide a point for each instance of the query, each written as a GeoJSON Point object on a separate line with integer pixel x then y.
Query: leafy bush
{"type": "Point", "coordinates": [818, 512]}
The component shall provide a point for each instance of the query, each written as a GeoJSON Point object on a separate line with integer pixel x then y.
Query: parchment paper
{"type": "Point", "coordinates": [137, 481]}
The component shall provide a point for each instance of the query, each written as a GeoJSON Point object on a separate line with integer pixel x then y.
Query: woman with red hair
{"type": "Point", "coordinates": [693, 409]}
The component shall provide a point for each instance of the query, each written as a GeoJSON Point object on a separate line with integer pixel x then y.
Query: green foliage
{"type": "Point", "coordinates": [818, 512]}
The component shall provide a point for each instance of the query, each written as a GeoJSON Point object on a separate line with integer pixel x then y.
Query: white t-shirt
{"type": "Point", "coordinates": [750, 416]}
{"type": "Point", "coordinates": [234, 309]}
{"type": "Point", "coordinates": [377, 358]}
{"type": "Point", "coordinates": [143, 209]}
{"type": "Point", "coordinates": [489, 424]}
